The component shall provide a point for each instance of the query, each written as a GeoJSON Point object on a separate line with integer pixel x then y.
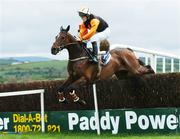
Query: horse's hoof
{"type": "Point", "coordinates": [81, 102]}
{"type": "Point", "coordinates": [64, 101]}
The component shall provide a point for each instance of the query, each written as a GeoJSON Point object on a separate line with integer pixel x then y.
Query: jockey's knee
{"type": "Point", "coordinates": [94, 43]}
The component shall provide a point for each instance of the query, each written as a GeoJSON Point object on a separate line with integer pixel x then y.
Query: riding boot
{"type": "Point", "coordinates": [95, 52]}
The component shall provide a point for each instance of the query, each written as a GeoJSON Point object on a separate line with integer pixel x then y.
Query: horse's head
{"type": "Point", "coordinates": [61, 40]}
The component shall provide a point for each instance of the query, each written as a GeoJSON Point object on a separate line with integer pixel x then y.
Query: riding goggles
{"type": "Point", "coordinates": [81, 14]}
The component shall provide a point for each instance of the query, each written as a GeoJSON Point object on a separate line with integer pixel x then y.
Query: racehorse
{"type": "Point", "coordinates": [82, 70]}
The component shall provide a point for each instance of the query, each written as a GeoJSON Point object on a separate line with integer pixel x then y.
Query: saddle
{"type": "Point", "coordinates": [103, 56]}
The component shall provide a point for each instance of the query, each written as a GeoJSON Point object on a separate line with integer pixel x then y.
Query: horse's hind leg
{"type": "Point", "coordinates": [135, 69]}
{"type": "Point", "coordinates": [148, 68]}
{"type": "Point", "coordinates": [134, 65]}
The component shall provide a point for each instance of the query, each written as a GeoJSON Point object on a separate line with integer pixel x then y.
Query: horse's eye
{"type": "Point", "coordinates": [56, 37]}
{"type": "Point", "coordinates": [62, 37]}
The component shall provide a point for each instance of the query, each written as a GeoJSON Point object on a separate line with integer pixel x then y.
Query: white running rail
{"type": "Point", "coordinates": [30, 92]}
{"type": "Point", "coordinates": [153, 56]}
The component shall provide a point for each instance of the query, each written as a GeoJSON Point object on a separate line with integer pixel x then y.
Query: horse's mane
{"type": "Point", "coordinates": [74, 38]}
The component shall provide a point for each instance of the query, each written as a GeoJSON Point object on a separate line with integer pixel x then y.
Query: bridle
{"type": "Point", "coordinates": [61, 47]}
{"type": "Point", "coordinates": [75, 59]}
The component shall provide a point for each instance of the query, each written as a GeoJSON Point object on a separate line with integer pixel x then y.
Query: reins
{"type": "Point", "coordinates": [62, 47]}
{"type": "Point", "coordinates": [75, 59]}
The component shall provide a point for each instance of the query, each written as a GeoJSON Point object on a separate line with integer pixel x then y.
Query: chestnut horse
{"type": "Point", "coordinates": [82, 70]}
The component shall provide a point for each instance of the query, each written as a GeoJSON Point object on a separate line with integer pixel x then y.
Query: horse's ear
{"type": "Point", "coordinates": [68, 27]}
{"type": "Point", "coordinates": [61, 28]}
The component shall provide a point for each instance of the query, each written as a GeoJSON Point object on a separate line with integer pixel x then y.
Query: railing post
{"type": "Point", "coordinates": [42, 111]}
{"type": "Point", "coordinates": [164, 65]}
{"type": "Point", "coordinates": [179, 65]}
{"type": "Point", "coordinates": [172, 64]}
{"type": "Point", "coordinates": [153, 62]}
{"type": "Point", "coordinates": [96, 114]}
{"type": "Point", "coordinates": [146, 60]}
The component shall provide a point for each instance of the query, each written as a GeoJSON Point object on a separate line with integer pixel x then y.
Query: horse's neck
{"type": "Point", "coordinates": [75, 50]}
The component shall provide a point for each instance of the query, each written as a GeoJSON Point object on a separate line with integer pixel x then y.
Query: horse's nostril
{"type": "Point", "coordinates": [54, 51]}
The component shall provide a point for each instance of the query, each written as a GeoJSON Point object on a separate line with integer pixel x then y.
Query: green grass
{"type": "Point", "coordinates": [53, 63]}
{"type": "Point", "coordinates": [86, 136]}
{"type": "Point", "coordinates": [48, 70]}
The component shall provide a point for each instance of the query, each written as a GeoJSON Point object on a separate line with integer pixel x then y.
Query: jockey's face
{"type": "Point", "coordinates": [84, 18]}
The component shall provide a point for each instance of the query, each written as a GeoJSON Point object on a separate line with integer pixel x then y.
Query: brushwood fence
{"type": "Point", "coordinates": [163, 90]}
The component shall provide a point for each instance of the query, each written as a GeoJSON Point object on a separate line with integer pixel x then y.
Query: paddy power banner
{"type": "Point", "coordinates": [115, 121]}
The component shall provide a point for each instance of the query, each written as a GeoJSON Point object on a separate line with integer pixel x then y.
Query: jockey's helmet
{"type": "Point", "coordinates": [84, 11]}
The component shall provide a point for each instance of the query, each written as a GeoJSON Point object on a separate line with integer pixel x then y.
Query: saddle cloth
{"type": "Point", "coordinates": [104, 57]}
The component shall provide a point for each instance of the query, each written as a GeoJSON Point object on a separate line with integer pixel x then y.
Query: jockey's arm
{"type": "Point", "coordinates": [82, 30]}
{"type": "Point", "coordinates": [94, 25]}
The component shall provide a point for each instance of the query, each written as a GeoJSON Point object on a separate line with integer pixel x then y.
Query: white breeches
{"type": "Point", "coordinates": [98, 37]}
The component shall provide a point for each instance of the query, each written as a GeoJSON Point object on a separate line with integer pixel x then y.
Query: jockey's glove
{"type": "Point", "coordinates": [84, 41]}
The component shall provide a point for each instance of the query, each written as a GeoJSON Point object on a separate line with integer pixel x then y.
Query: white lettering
{"type": "Point", "coordinates": [115, 124]}
{"type": "Point", "coordinates": [1, 124]}
{"type": "Point", "coordinates": [172, 122]}
{"type": "Point", "coordinates": [156, 121]}
{"type": "Point", "coordinates": [4, 123]}
{"type": "Point", "coordinates": [93, 123]}
{"type": "Point", "coordinates": [105, 122]}
{"type": "Point", "coordinates": [84, 125]}
{"type": "Point", "coordinates": [108, 122]}
{"type": "Point", "coordinates": [73, 119]}
{"type": "Point", "coordinates": [131, 118]}
{"type": "Point", "coordinates": [143, 122]}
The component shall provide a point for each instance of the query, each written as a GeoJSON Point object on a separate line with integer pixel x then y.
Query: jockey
{"type": "Point", "coordinates": [93, 29]}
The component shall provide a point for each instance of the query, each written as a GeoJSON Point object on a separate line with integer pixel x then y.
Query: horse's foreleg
{"type": "Point", "coordinates": [74, 96]}
{"type": "Point", "coordinates": [61, 97]}
{"type": "Point", "coordinates": [72, 90]}
{"type": "Point", "coordinates": [61, 90]}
